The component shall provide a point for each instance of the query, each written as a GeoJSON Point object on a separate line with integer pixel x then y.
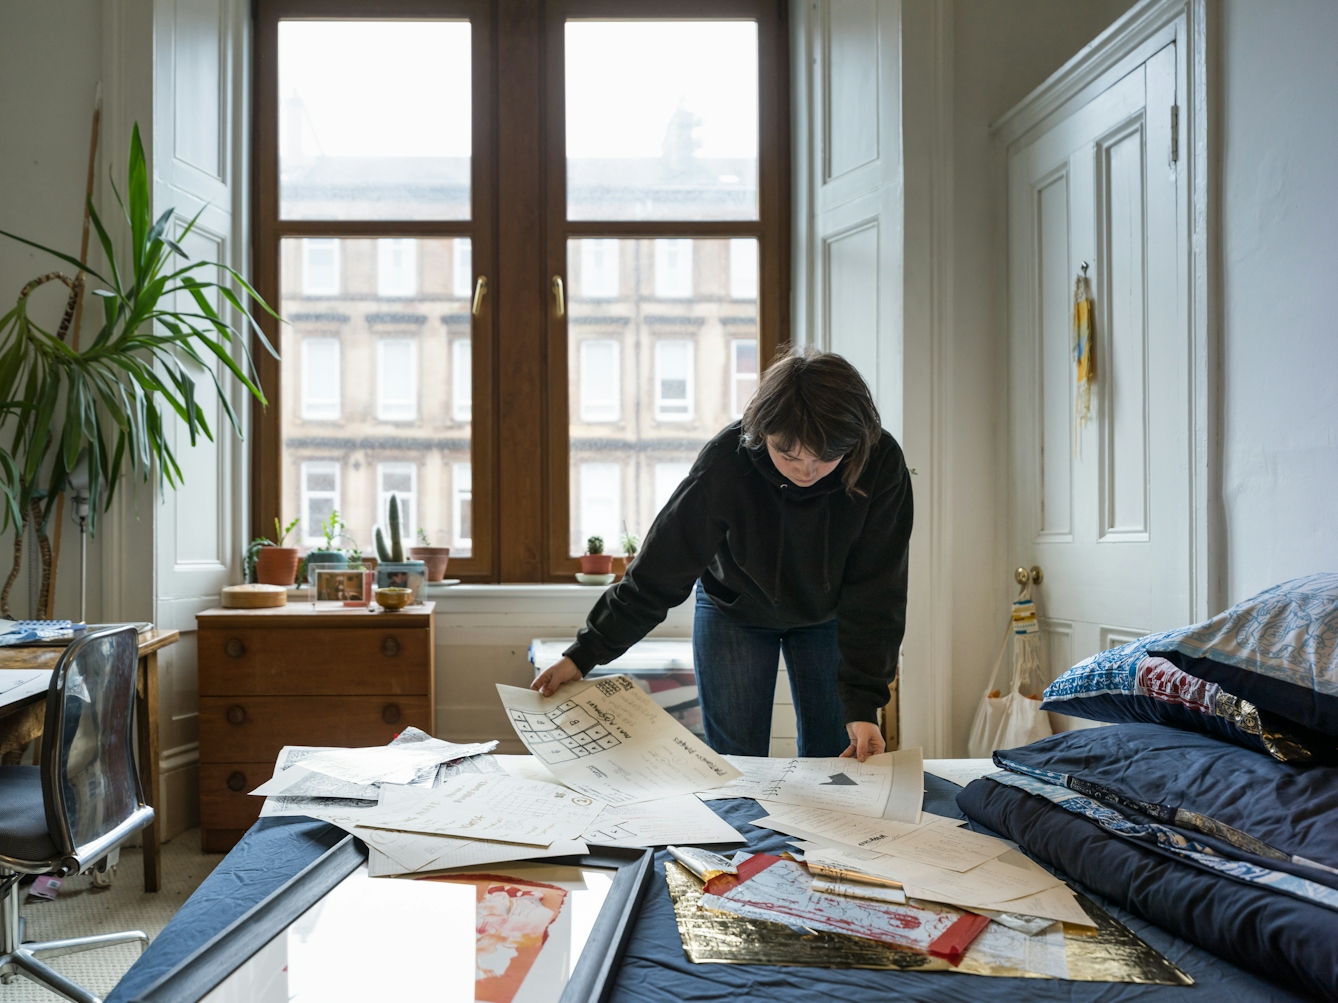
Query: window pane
{"type": "Point", "coordinates": [600, 507]}
{"type": "Point", "coordinates": [599, 269]}
{"type": "Point", "coordinates": [320, 267]}
{"type": "Point", "coordinates": [320, 378]}
{"type": "Point", "coordinates": [376, 392]}
{"type": "Point", "coordinates": [462, 380]}
{"type": "Point", "coordinates": [662, 119]}
{"type": "Point", "coordinates": [399, 480]}
{"type": "Point", "coordinates": [743, 268]}
{"type": "Point", "coordinates": [320, 498]}
{"type": "Point", "coordinates": [673, 269]}
{"type": "Point", "coordinates": [396, 267]}
{"type": "Point", "coordinates": [650, 380]}
{"type": "Point", "coordinates": [743, 374]}
{"type": "Point", "coordinates": [374, 119]}
{"type": "Point", "coordinates": [462, 512]}
{"type": "Point", "coordinates": [601, 388]}
{"type": "Point", "coordinates": [462, 268]}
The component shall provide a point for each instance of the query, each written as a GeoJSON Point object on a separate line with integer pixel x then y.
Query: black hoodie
{"type": "Point", "coordinates": [770, 554]}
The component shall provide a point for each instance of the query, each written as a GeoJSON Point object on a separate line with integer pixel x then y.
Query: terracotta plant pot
{"type": "Point", "coordinates": [277, 565]}
{"type": "Point", "coordinates": [434, 561]}
{"type": "Point", "coordinates": [596, 564]}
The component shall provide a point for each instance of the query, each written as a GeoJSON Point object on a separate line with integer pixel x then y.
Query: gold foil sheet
{"type": "Point", "coordinates": [1110, 953]}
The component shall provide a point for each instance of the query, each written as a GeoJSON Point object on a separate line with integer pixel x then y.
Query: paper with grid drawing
{"type": "Point", "coordinates": [606, 738]}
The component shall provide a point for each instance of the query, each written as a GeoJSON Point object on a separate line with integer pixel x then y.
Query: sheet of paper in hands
{"type": "Point", "coordinates": [487, 806]}
{"type": "Point", "coordinates": [607, 739]}
{"type": "Point", "coordinates": [391, 764]}
{"type": "Point", "coordinates": [781, 891]}
{"type": "Point", "coordinates": [889, 785]}
{"type": "Point", "coordinates": [681, 819]}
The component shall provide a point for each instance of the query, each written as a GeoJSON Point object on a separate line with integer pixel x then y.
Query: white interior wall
{"type": "Point", "coordinates": [1279, 232]}
{"type": "Point", "coordinates": [1002, 50]}
{"type": "Point", "coordinates": [50, 62]}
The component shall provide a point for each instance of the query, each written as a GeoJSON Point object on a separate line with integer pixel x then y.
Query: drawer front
{"type": "Point", "coordinates": [224, 801]}
{"type": "Point", "coordinates": [298, 662]}
{"type": "Point", "coordinates": [252, 729]}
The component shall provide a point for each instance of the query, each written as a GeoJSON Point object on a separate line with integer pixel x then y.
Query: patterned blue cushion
{"type": "Point", "coordinates": [1278, 650]}
{"type": "Point", "coordinates": [1130, 685]}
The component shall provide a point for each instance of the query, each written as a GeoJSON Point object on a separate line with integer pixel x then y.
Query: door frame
{"type": "Point", "coordinates": [1138, 34]}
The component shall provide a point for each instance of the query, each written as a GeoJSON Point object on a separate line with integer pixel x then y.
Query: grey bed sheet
{"type": "Point", "coordinates": [654, 968]}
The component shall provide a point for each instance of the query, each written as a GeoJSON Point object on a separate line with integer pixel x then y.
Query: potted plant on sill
{"type": "Point", "coordinates": [596, 566]}
{"type": "Point", "coordinates": [332, 529]}
{"type": "Point", "coordinates": [392, 570]}
{"type": "Point", "coordinates": [434, 559]}
{"type": "Point", "coordinates": [95, 407]}
{"type": "Point", "coordinates": [271, 562]}
{"type": "Point", "coordinates": [630, 546]}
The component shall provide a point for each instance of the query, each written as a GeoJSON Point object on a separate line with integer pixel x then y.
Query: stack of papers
{"type": "Point", "coordinates": [610, 768]}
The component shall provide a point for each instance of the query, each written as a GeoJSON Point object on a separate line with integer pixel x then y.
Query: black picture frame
{"type": "Point", "coordinates": [590, 982]}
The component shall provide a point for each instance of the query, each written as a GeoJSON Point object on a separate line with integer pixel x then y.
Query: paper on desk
{"type": "Point", "coordinates": [960, 771]}
{"type": "Point", "coordinates": [866, 833]}
{"type": "Point", "coordinates": [986, 885]}
{"type": "Point", "coordinates": [526, 768]}
{"type": "Point", "coordinates": [391, 764]}
{"type": "Point", "coordinates": [487, 806]}
{"type": "Point", "coordinates": [889, 785]}
{"type": "Point", "coordinates": [681, 819]}
{"type": "Point", "coordinates": [607, 739]}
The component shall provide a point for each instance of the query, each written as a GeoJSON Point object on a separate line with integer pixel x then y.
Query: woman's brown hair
{"type": "Point", "coordinates": [819, 401]}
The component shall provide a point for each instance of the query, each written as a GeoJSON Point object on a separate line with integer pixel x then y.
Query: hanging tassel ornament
{"type": "Point", "coordinates": [1084, 354]}
{"type": "Point", "coordinates": [1026, 646]}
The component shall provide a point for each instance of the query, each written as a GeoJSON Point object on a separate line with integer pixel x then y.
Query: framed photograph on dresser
{"type": "Point", "coordinates": [545, 931]}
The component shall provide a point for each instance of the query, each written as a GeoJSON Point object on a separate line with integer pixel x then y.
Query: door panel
{"type": "Point", "coordinates": [1102, 507]}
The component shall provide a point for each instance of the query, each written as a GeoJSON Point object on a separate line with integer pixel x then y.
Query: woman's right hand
{"type": "Point", "coordinates": [562, 671]}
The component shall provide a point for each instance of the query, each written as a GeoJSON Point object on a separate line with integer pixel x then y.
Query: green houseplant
{"type": "Point", "coordinates": [269, 561]}
{"type": "Point", "coordinates": [332, 529]}
{"type": "Point", "coordinates": [594, 561]}
{"type": "Point", "coordinates": [434, 559]}
{"type": "Point", "coordinates": [392, 570]}
{"type": "Point", "coordinates": [111, 402]}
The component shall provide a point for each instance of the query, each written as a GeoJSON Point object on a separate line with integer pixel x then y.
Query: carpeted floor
{"type": "Point", "coordinates": [81, 910]}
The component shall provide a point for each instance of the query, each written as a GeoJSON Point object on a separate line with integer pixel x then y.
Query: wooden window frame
{"type": "Point", "coordinates": [518, 227]}
{"type": "Point", "coordinates": [771, 229]}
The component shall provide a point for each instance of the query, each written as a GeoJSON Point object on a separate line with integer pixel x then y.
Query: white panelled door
{"type": "Point", "coordinates": [1104, 509]}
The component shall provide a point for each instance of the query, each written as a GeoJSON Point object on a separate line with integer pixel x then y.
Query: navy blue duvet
{"type": "Point", "coordinates": [1235, 797]}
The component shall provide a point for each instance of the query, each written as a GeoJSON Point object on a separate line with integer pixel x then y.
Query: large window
{"type": "Point", "coordinates": [528, 264]}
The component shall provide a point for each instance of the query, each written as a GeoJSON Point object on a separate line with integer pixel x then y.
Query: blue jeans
{"type": "Point", "coordinates": [736, 678]}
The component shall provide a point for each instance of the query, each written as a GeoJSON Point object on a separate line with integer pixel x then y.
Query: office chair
{"type": "Point", "coordinates": [84, 800]}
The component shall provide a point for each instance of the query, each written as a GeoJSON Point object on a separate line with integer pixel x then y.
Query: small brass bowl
{"type": "Point", "coordinates": [393, 598]}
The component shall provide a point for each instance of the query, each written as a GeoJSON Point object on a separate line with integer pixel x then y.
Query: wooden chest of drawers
{"type": "Point", "coordinates": [300, 675]}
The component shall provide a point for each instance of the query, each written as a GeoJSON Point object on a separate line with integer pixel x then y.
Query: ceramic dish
{"type": "Point", "coordinates": [594, 579]}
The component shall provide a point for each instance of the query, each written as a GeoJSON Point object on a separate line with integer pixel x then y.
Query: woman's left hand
{"type": "Point", "coordinates": [866, 740]}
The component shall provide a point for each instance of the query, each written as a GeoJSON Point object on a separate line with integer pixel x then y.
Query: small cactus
{"type": "Point", "coordinates": [594, 545]}
{"type": "Point", "coordinates": [395, 552]}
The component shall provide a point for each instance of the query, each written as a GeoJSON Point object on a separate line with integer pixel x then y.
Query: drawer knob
{"type": "Point", "coordinates": [236, 714]}
{"type": "Point", "coordinates": [390, 713]}
{"type": "Point", "coordinates": [237, 781]}
{"type": "Point", "coordinates": [234, 648]}
{"type": "Point", "coordinates": [390, 647]}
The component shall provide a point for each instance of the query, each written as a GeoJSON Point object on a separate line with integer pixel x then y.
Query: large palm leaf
{"type": "Point", "coordinates": [112, 400]}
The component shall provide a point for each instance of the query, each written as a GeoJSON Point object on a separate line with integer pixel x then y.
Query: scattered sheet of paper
{"type": "Point", "coordinates": [487, 806]}
{"type": "Point", "coordinates": [889, 785]}
{"type": "Point", "coordinates": [1053, 903]}
{"type": "Point", "coordinates": [607, 739]}
{"type": "Point", "coordinates": [468, 853]}
{"type": "Point", "coordinates": [681, 819]}
{"type": "Point", "coordinates": [957, 849]}
{"type": "Point", "coordinates": [849, 830]}
{"type": "Point", "coordinates": [1043, 954]}
{"type": "Point", "coordinates": [986, 885]}
{"type": "Point", "coordinates": [391, 764]}
{"type": "Point", "coordinates": [960, 771]}
{"type": "Point", "coordinates": [526, 768]}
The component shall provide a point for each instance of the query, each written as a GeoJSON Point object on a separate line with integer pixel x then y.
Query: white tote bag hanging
{"type": "Point", "coordinates": [1012, 719]}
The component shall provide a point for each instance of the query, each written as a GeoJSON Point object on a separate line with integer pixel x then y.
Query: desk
{"type": "Point", "coordinates": [23, 708]}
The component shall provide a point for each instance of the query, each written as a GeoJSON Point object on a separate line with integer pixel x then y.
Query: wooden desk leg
{"type": "Point", "coordinates": [146, 708]}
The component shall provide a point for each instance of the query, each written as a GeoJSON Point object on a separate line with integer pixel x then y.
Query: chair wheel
{"type": "Point", "coordinates": [102, 878]}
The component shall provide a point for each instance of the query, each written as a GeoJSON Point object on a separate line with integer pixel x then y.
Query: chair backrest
{"type": "Point", "coordinates": [89, 781]}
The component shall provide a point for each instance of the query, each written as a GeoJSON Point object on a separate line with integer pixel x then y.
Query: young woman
{"type": "Point", "coordinates": [794, 526]}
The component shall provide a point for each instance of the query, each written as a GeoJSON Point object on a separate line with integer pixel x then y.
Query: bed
{"type": "Point", "coordinates": [654, 967]}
